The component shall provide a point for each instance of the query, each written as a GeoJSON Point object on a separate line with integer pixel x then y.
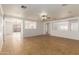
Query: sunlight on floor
{"type": "Point", "coordinates": [17, 36]}
{"type": "Point", "coordinates": [12, 44]}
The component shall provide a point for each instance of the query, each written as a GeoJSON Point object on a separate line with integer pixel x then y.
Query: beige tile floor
{"type": "Point", "coordinates": [40, 45]}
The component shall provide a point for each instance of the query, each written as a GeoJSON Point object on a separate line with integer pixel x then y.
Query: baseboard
{"type": "Point", "coordinates": [35, 35]}
{"type": "Point", "coordinates": [65, 36]}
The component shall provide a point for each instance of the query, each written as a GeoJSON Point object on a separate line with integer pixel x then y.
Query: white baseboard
{"type": "Point", "coordinates": [69, 36]}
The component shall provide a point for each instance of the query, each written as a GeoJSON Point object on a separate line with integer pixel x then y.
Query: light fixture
{"type": "Point", "coordinates": [23, 7]}
{"type": "Point", "coordinates": [64, 5]}
{"type": "Point", "coordinates": [43, 16]}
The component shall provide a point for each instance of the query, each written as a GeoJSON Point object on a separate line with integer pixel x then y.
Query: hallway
{"type": "Point", "coordinates": [40, 45]}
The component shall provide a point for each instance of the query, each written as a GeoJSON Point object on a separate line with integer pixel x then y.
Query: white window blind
{"type": "Point", "coordinates": [30, 25]}
{"type": "Point", "coordinates": [61, 26]}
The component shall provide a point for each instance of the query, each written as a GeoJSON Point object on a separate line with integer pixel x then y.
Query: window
{"type": "Point", "coordinates": [30, 25]}
{"type": "Point", "coordinates": [61, 26]}
{"type": "Point", "coordinates": [74, 27]}
{"type": "Point", "coordinates": [54, 26]}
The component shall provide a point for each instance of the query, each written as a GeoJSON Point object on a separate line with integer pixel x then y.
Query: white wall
{"type": "Point", "coordinates": [41, 30]}
{"type": "Point", "coordinates": [34, 32]}
{"type": "Point", "coordinates": [1, 28]}
{"type": "Point", "coordinates": [65, 34]}
{"type": "Point", "coordinates": [48, 29]}
{"type": "Point", "coordinates": [1, 33]}
{"type": "Point", "coordinates": [26, 32]}
{"type": "Point", "coordinates": [8, 28]}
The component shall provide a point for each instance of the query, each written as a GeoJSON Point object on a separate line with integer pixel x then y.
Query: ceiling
{"type": "Point", "coordinates": [33, 11]}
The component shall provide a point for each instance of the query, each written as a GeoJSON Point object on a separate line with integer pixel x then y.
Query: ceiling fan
{"type": "Point", "coordinates": [44, 16]}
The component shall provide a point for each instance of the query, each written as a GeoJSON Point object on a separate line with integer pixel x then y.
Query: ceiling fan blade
{"type": "Point", "coordinates": [48, 17]}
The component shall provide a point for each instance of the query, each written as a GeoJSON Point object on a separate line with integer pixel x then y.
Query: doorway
{"type": "Point", "coordinates": [13, 35]}
{"type": "Point", "coordinates": [13, 28]}
{"type": "Point", "coordinates": [47, 28]}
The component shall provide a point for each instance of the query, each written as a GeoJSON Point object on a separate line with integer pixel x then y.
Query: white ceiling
{"type": "Point", "coordinates": [33, 11]}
